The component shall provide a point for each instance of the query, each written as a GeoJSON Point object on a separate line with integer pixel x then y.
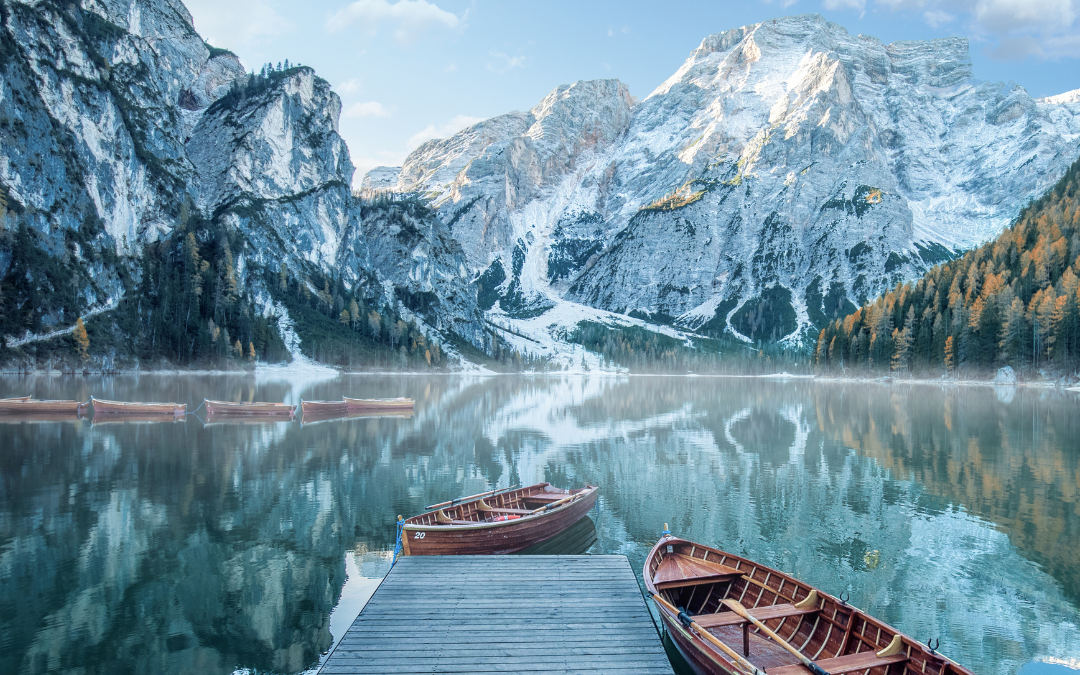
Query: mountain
{"type": "Point", "coordinates": [784, 174]}
{"type": "Point", "coordinates": [196, 214]}
{"type": "Point", "coordinates": [1014, 301]}
{"type": "Point", "coordinates": [155, 188]}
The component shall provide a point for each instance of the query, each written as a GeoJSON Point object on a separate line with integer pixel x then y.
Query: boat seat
{"type": "Point", "coordinates": [760, 613]}
{"type": "Point", "coordinates": [513, 512]}
{"type": "Point", "coordinates": [843, 664]}
{"type": "Point", "coordinates": [678, 570]}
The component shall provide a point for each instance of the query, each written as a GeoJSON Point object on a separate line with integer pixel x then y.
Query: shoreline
{"type": "Point", "coordinates": [329, 372]}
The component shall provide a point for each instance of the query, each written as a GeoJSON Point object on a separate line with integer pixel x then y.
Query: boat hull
{"type": "Point", "coordinates": [32, 407]}
{"type": "Point", "coordinates": [123, 408]}
{"type": "Point", "coordinates": [324, 407]}
{"type": "Point", "coordinates": [379, 404]}
{"type": "Point", "coordinates": [494, 538]}
{"type": "Point", "coordinates": [231, 409]}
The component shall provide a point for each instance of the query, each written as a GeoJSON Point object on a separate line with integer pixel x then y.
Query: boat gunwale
{"type": "Point", "coordinates": [587, 490]}
{"type": "Point", "coordinates": [722, 660]}
{"type": "Point", "coordinates": [251, 408]}
{"type": "Point", "coordinates": [177, 408]}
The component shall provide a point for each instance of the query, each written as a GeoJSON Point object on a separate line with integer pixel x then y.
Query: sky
{"type": "Point", "coordinates": [411, 70]}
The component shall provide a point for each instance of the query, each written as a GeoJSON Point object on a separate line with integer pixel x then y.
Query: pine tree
{"type": "Point", "coordinates": [950, 354]}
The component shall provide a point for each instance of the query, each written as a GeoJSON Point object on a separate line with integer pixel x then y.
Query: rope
{"type": "Point", "coordinates": [197, 409]}
{"type": "Point", "coordinates": [397, 545]}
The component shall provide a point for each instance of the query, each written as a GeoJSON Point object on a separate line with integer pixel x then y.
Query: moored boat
{"type": "Point", "coordinates": [238, 409]}
{"type": "Point", "coordinates": [324, 407]}
{"type": "Point", "coordinates": [102, 407]}
{"type": "Point", "coordinates": [27, 405]}
{"type": "Point", "coordinates": [379, 404]}
{"type": "Point", "coordinates": [730, 616]}
{"type": "Point", "coordinates": [501, 521]}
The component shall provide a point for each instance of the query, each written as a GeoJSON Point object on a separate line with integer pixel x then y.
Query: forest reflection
{"type": "Point", "coordinates": [950, 512]}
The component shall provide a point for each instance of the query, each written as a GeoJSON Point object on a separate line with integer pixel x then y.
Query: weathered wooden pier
{"type": "Point", "coordinates": [504, 614]}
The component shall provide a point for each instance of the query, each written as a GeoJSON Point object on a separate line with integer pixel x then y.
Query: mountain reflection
{"type": "Point", "coordinates": [177, 548]}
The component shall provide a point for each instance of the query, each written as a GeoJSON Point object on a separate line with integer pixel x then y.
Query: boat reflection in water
{"type": "Point", "coordinates": [99, 420]}
{"type": "Point", "coordinates": [313, 418]}
{"type": "Point", "coordinates": [574, 540]}
{"type": "Point", "coordinates": [37, 418]}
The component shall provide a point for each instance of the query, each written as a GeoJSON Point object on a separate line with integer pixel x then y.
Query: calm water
{"type": "Point", "coordinates": [184, 547]}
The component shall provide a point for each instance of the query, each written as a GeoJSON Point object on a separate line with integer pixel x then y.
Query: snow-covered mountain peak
{"type": "Point", "coordinates": [787, 170]}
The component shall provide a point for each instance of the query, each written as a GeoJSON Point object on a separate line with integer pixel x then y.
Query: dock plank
{"type": "Point", "coordinates": [542, 615]}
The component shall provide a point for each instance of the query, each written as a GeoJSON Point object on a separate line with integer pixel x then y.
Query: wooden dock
{"type": "Point", "coordinates": [552, 614]}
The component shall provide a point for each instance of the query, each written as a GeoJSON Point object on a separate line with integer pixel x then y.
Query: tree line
{"type": "Point", "coordinates": [1014, 301]}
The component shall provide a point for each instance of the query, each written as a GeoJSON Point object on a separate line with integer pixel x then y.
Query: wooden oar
{"type": "Point", "coordinates": [736, 606]}
{"type": "Point", "coordinates": [464, 499]}
{"type": "Point", "coordinates": [686, 620]}
{"type": "Point", "coordinates": [554, 504]}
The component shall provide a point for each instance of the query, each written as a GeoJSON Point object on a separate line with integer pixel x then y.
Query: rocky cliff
{"type": "Point", "coordinates": [785, 172]}
{"type": "Point", "coordinates": [120, 127]}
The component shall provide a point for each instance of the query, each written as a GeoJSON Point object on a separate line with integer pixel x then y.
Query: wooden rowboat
{"type": "Point", "coordinates": [102, 407]}
{"type": "Point", "coordinates": [401, 404]}
{"type": "Point", "coordinates": [496, 522]}
{"type": "Point", "coordinates": [720, 609]}
{"type": "Point", "coordinates": [324, 407]}
{"type": "Point", "coordinates": [25, 405]}
{"type": "Point", "coordinates": [238, 409]}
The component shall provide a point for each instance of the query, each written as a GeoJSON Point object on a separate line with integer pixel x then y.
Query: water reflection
{"type": "Point", "coordinates": [186, 547]}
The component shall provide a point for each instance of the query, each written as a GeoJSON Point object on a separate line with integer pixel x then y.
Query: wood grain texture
{"type": "Point", "coordinates": [503, 614]}
{"type": "Point", "coordinates": [838, 637]}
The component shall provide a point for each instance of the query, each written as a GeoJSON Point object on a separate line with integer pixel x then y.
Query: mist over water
{"type": "Point", "coordinates": [182, 547]}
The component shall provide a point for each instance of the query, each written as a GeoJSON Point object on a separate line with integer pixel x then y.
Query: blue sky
{"type": "Point", "coordinates": [410, 70]}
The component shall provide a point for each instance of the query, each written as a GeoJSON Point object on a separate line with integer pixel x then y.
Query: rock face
{"type": "Point", "coordinates": [118, 123]}
{"type": "Point", "coordinates": [785, 172]}
{"type": "Point", "coordinates": [93, 159]}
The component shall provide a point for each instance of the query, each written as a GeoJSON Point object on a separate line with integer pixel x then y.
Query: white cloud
{"type": "Point", "coordinates": [936, 18]}
{"type": "Point", "coordinates": [450, 128]}
{"type": "Point", "coordinates": [859, 5]}
{"type": "Point", "coordinates": [1012, 29]}
{"type": "Point", "coordinates": [410, 17]}
{"type": "Point", "coordinates": [504, 63]}
{"type": "Point", "coordinates": [350, 86]}
{"type": "Point", "coordinates": [236, 23]}
{"type": "Point", "coordinates": [368, 109]}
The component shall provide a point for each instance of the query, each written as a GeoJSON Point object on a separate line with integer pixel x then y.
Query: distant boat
{"type": "Point", "coordinates": [501, 521]}
{"type": "Point", "coordinates": [26, 404]}
{"type": "Point", "coordinates": [102, 407]}
{"type": "Point", "coordinates": [730, 616]}
{"type": "Point", "coordinates": [384, 404]}
{"type": "Point", "coordinates": [230, 408]}
{"type": "Point", "coordinates": [324, 407]}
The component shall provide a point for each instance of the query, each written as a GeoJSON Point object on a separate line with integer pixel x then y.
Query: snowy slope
{"type": "Point", "coordinates": [786, 171]}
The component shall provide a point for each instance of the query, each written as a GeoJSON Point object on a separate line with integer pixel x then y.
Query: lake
{"type": "Point", "coordinates": [176, 547]}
